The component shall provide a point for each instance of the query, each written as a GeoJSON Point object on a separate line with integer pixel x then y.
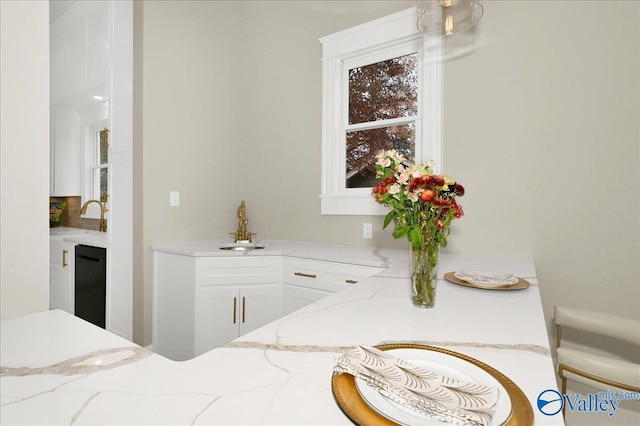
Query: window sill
{"type": "Point", "coordinates": [364, 205]}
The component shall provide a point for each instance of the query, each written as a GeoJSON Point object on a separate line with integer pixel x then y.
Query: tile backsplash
{"type": "Point", "coordinates": [72, 218]}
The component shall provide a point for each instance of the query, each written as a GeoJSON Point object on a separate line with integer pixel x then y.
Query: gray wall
{"type": "Point", "coordinates": [540, 125]}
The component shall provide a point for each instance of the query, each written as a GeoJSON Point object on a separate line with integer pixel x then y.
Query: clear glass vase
{"type": "Point", "coordinates": [424, 277]}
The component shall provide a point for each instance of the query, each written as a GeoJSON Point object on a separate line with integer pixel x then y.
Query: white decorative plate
{"type": "Point", "coordinates": [486, 278]}
{"type": "Point", "coordinates": [521, 284]}
{"type": "Point", "coordinates": [445, 365]}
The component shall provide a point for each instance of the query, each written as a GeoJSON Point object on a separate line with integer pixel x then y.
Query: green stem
{"type": "Point", "coordinates": [424, 277]}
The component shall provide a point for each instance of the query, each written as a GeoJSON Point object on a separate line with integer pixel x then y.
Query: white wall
{"type": "Point", "coordinates": [540, 126]}
{"type": "Point", "coordinates": [24, 157]}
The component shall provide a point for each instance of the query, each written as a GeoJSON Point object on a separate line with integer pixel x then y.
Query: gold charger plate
{"type": "Point", "coordinates": [346, 394]}
{"type": "Point", "coordinates": [520, 285]}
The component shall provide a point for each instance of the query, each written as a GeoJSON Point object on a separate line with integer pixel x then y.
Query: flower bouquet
{"type": "Point", "coordinates": [423, 205]}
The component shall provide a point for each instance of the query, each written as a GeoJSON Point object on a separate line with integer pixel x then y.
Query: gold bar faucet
{"type": "Point", "coordinates": [103, 210]}
{"type": "Point", "coordinates": [241, 235]}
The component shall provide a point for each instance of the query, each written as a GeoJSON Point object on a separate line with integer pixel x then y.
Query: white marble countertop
{"type": "Point", "coordinates": [79, 236]}
{"type": "Point", "coordinates": [58, 369]}
{"type": "Point", "coordinates": [366, 256]}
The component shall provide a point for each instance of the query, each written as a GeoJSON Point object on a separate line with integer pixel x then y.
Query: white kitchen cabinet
{"type": "Point", "coordinates": [65, 150]}
{"type": "Point", "coordinates": [202, 302]}
{"type": "Point", "coordinates": [61, 275]}
{"type": "Point", "coordinates": [197, 300]}
{"type": "Point", "coordinates": [79, 43]}
{"type": "Point", "coordinates": [79, 69]}
{"type": "Point", "coordinates": [306, 281]}
{"type": "Point", "coordinates": [295, 297]}
{"type": "Point", "coordinates": [226, 312]}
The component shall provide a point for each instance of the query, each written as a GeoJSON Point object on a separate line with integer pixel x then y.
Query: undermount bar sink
{"type": "Point", "coordinates": [241, 246]}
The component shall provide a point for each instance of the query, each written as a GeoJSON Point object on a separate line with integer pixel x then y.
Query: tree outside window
{"type": "Point", "coordinates": [377, 92]}
{"type": "Point", "coordinates": [381, 89]}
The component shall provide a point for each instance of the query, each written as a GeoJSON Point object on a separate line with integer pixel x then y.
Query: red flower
{"type": "Point", "coordinates": [441, 202]}
{"type": "Point", "coordinates": [427, 195]}
{"type": "Point", "coordinates": [379, 190]}
{"type": "Point", "coordinates": [437, 180]}
{"type": "Point", "coordinates": [414, 182]}
{"type": "Point", "coordinates": [458, 189]}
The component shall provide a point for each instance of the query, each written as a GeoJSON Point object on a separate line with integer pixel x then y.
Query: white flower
{"type": "Point", "coordinates": [403, 176]}
{"type": "Point", "coordinates": [414, 171]}
{"type": "Point", "coordinates": [383, 159]}
{"type": "Point", "coordinates": [394, 189]}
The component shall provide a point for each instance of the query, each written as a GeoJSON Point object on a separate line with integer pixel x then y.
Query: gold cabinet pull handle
{"type": "Point", "coordinates": [64, 258]}
{"type": "Point", "coordinates": [235, 299]}
{"type": "Point", "coordinates": [351, 281]}
{"type": "Point", "coordinates": [243, 308]}
{"type": "Point", "coordinates": [302, 274]}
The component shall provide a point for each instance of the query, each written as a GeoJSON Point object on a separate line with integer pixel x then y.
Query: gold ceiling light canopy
{"type": "Point", "coordinates": [445, 17]}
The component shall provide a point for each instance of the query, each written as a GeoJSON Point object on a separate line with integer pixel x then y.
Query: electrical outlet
{"type": "Point", "coordinates": [174, 199]}
{"type": "Point", "coordinates": [367, 230]}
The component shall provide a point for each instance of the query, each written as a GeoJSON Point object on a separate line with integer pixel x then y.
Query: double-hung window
{"type": "Point", "coordinates": [100, 166]}
{"type": "Point", "coordinates": [96, 158]}
{"type": "Point", "coordinates": [382, 84]}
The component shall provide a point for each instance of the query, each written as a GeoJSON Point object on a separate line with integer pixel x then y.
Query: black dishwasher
{"type": "Point", "coordinates": [91, 284]}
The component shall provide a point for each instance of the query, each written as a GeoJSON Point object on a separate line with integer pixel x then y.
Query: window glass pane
{"type": "Point", "coordinates": [102, 146]}
{"type": "Point", "coordinates": [387, 89]}
{"type": "Point", "coordinates": [104, 180]}
{"type": "Point", "coordinates": [363, 145]}
{"type": "Point", "coordinates": [100, 183]}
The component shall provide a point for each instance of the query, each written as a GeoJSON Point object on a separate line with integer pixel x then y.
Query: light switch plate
{"type": "Point", "coordinates": [174, 198]}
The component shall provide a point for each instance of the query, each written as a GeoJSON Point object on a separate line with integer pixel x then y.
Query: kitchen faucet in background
{"type": "Point", "coordinates": [103, 210]}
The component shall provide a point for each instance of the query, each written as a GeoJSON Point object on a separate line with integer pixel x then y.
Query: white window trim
{"type": "Point", "coordinates": [371, 42]}
{"type": "Point", "coordinates": [93, 120]}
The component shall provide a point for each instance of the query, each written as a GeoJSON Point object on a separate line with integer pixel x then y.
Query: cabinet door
{"type": "Point", "coordinates": [294, 297]}
{"type": "Point", "coordinates": [68, 53]}
{"type": "Point", "coordinates": [61, 275]}
{"type": "Point", "coordinates": [97, 42]}
{"type": "Point", "coordinates": [66, 143]}
{"type": "Point", "coordinates": [217, 317]}
{"type": "Point", "coordinates": [58, 289]}
{"type": "Point", "coordinates": [258, 306]}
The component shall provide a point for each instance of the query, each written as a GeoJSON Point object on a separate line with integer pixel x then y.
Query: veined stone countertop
{"type": "Point", "coordinates": [80, 236]}
{"type": "Point", "coordinates": [367, 256]}
{"type": "Point", "coordinates": [58, 369]}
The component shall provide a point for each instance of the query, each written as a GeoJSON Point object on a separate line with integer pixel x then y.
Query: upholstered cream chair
{"type": "Point", "coordinates": [601, 372]}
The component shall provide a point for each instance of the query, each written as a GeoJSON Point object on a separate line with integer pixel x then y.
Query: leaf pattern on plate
{"type": "Point", "coordinates": [432, 395]}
